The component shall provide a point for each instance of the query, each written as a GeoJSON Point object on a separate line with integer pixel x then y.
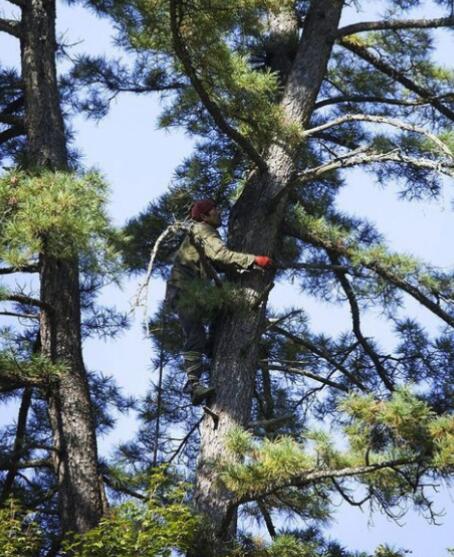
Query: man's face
{"type": "Point", "coordinates": [213, 218]}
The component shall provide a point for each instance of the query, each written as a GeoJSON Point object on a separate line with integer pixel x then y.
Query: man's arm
{"type": "Point", "coordinates": [216, 251]}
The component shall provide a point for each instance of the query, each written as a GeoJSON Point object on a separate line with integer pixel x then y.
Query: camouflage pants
{"type": "Point", "coordinates": [195, 336]}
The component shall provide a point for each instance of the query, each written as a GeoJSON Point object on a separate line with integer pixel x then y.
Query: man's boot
{"type": "Point", "coordinates": [194, 368]}
{"type": "Point", "coordinates": [198, 392]}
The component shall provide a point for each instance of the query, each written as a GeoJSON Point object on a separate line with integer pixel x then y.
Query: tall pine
{"type": "Point", "coordinates": [283, 99]}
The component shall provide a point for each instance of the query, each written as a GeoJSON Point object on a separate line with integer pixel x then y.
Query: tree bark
{"type": "Point", "coordinates": [70, 412]}
{"type": "Point", "coordinates": [254, 226]}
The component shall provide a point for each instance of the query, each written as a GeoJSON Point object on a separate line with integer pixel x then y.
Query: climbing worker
{"type": "Point", "coordinates": [200, 251]}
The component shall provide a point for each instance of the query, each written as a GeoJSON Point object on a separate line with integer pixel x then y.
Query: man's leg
{"type": "Point", "coordinates": [194, 347]}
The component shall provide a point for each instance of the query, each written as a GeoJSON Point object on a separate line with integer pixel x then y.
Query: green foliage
{"type": "Point", "coordinates": [377, 256]}
{"type": "Point", "coordinates": [402, 427]}
{"type": "Point", "coordinates": [307, 544]}
{"type": "Point", "coordinates": [19, 534]}
{"type": "Point", "coordinates": [284, 545]}
{"type": "Point", "coordinates": [387, 551]}
{"type": "Point", "coordinates": [157, 527]}
{"type": "Point", "coordinates": [37, 366]}
{"type": "Point", "coordinates": [267, 462]}
{"type": "Point", "coordinates": [288, 546]}
{"type": "Point", "coordinates": [405, 426]}
{"type": "Point", "coordinates": [442, 433]}
{"type": "Point", "coordinates": [57, 212]}
{"type": "Point", "coordinates": [216, 36]}
{"type": "Point", "coordinates": [209, 299]}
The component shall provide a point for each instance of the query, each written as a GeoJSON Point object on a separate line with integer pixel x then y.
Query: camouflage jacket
{"type": "Point", "coordinates": [188, 264]}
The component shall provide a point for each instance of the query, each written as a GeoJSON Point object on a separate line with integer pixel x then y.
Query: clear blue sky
{"type": "Point", "coordinates": [139, 160]}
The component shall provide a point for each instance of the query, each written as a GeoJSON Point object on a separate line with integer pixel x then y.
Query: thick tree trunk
{"type": "Point", "coordinates": [70, 411]}
{"type": "Point", "coordinates": [254, 229]}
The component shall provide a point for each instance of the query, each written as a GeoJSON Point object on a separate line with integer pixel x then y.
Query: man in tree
{"type": "Point", "coordinates": [201, 248]}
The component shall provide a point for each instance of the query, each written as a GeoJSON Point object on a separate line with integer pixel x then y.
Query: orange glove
{"type": "Point", "coordinates": [263, 261]}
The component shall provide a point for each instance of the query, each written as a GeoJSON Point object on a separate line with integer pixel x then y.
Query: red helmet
{"type": "Point", "coordinates": [202, 207]}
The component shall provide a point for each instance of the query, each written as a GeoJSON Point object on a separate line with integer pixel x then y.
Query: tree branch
{"type": "Point", "coordinates": [347, 498]}
{"type": "Point", "coordinates": [314, 267]}
{"type": "Point", "coordinates": [426, 94]}
{"type": "Point", "coordinates": [309, 477]}
{"type": "Point", "coordinates": [18, 444]}
{"type": "Point", "coordinates": [365, 155]}
{"type": "Point", "coordinates": [267, 518]}
{"type": "Point", "coordinates": [212, 108]}
{"type": "Point", "coordinates": [185, 440]}
{"type": "Point", "coordinates": [24, 269]}
{"type": "Point", "coordinates": [20, 3]}
{"type": "Point", "coordinates": [21, 299]}
{"type": "Point", "coordinates": [395, 24]}
{"type": "Point", "coordinates": [11, 120]}
{"type": "Point", "coordinates": [119, 486]}
{"type": "Point", "coordinates": [296, 371]}
{"type": "Point", "coordinates": [11, 133]}
{"type": "Point", "coordinates": [379, 100]}
{"type": "Point", "coordinates": [37, 463]}
{"type": "Point", "coordinates": [343, 249]}
{"type": "Point", "coordinates": [20, 315]}
{"type": "Point", "coordinates": [382, 120]}
{"type": "Point", "coordinates": [11, 27]}
{"type": "Point", "coordinates": [354, 309]}
{"type": "Point", "coordinates": [14, 106]}
{"type": "Point", "coordinates": [321, 353]}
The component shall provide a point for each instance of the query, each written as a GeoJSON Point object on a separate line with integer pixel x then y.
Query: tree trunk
{"type": "Point", "coordinates": [70, 412]}
{"type": "Point", "coordinates": [254, 228]}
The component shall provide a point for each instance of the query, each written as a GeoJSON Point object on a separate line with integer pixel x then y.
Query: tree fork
{"type": "Point", "coordinates": [254, 229]}
{"type": "Point", "coordinates": [70, 412]}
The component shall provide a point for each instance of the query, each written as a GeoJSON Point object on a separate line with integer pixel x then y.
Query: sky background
{"type": "Point", "coordinates": [138, 160]}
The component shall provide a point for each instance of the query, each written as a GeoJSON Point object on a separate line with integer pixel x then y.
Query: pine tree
{"type": "Point", "coordinates": [283, 100]}
{"type": "Point", "coordinates": [50, 219]}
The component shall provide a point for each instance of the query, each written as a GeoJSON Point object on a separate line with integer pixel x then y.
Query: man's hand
{"type": "Point", "coordinates": [263, 261]}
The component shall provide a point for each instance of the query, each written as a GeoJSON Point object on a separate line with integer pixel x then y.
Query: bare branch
{"type": "Point", "coordinates": [11, 133]}
{"type": "Point", "coordinates": [18, 444]}
{"type": "Point", "coordinates": [267, 518]}
{"type": "Point", "coordinates": [354, 309]}
{"type": "Point", "coordinates": [212, 108]}
{"type": "Point", "coordinates": [37, 463]}
{"type": "Point", "coordinates": [20, 3]}
{"type": "Point", "coordinates": [14, 105]}
{"type": "Point", "coordinates": [380, 100]}
{"type": "Point", "coordinates": [24, 269]}
{"type": "Point", "coordinates": [366, 155]}
{"type": "Point", "coordinates": [314, 267]}
{"type": "Point", "coordinates": [141, 297]}
{"type": "Point", "coordinates": [113, 483]}
{"type": "Point", "coordinates": [395, 24]}
{"type": "Point", "coordinates": [27, 300]}
{"type": "Point", "coordinates": [426, 94]}
{"type": "Point", "coordinates": [297, 371]}
{"type": "Point", "coordinates": [20, 315]}
{"type": "Point", "coordinates": [325, 355]}
{"type": "Point", "coordinates": [11, 27]}
{"type": "Point", "coordinates": [185, 440]}
{"type": "Point", "coordinates": [382, 120]}
{"type": "Point", "coordinates": [279, 320]}
{"type": "Point", "coordinates": [347, 498]}
{"type": "Point", "coordinates": [11, 120]}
